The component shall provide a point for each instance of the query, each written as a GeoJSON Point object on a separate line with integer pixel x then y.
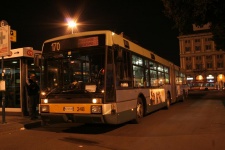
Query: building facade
{"type": "Point", "coordinates": [204, 65]}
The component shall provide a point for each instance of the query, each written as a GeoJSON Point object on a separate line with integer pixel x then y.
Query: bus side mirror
{"type": "Point", "coordinates": [37, 58]}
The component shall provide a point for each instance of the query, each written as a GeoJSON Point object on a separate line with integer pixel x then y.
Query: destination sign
{"type": "Point", "coordinates": [74, 42]}
{"type": "Point", "coordinates": [86, 42]}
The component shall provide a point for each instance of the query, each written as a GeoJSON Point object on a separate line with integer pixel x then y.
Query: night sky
{"type": "Point", "coordinates": [141, 20]}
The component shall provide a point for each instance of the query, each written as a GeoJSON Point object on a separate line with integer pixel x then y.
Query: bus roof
{"type": "Point", "coordinates": [113, 38]}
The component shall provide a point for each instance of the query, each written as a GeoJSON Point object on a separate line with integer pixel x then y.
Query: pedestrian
{"type": "Point", "coordinates": [33, 95]}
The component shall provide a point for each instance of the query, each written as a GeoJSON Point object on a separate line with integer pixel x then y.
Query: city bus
{"type": "Point", "coordinates": [103, 77]}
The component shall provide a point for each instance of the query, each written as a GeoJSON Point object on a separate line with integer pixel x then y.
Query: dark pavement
{"type": "Point", "coordinates": [16, 122]}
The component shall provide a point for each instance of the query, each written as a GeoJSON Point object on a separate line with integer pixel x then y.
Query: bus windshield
{"type": "Point", "coordinates": [78, 70]}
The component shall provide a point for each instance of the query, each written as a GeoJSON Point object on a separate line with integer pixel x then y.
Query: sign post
{"type": "Point", "coordinates": [13, 35]}
{"type": "Point", "coordinates": [5, 46]}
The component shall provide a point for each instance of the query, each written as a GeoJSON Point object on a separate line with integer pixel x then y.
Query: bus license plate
{"type": "Point", "coordinates": [68, 108]}
{"type": "Point", "coordinates": [76, 109]}
{"type": "Point", "coordinates": [79, 109]}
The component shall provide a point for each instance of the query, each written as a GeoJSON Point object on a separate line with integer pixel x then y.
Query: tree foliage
{"type": "Point", "coordinates": [184, 13]}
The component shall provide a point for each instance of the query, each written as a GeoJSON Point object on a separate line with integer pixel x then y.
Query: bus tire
{"type": "Point", "coordinates": [139, 111]}
{"type": "Point", "coordinates": [168, 101]}
{"type": "Point", "coordinates": [183, 96]}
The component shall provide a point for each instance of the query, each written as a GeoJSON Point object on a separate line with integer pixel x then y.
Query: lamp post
{"type": "Point", "coordinates": [72, 24]}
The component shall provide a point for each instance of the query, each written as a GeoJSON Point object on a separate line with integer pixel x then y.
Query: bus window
{"type": "Point", "coordinates": [138, 76]}
{"type": "Point", "coordinates": [167, 79]}
{"type": "Point", "coordinates": [110, 95]}
{"type": "Point", "coordinates": [161, 78]}
{"type": "Point", "coordinates": [138, 71]}
{"type": "Point", "coordinates": [123, 69]}
{"type": "Point", "coordinates": [167, 76]}
{"type": "Point", "coordinates": [66, 68]}
{"type": "Point", "coordinates": [154, 80]}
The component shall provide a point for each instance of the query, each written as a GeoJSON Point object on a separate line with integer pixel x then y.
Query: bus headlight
{"type": "Point", "coordinates": [44, 101]}
{"type": "Point", "coordinates": [96, 100]}
{"type": "Point", "coordinates": [44, 108]}
{"type": "Point", "coordinates": [96, 109]}
{"type": "Point", "coordinates": [43, 93]}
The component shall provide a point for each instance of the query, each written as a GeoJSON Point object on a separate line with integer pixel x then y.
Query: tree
{"type": "Point", "coordinates": [184, 13]}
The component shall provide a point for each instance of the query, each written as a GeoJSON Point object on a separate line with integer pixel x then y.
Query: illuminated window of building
{"type": "Point", "coordinates": [189, 78]}
{"type": "Point", "coordinates": [199, 78]}
{"type": "Point", "coordinates": [210, 78]}
{"type": "Point", "coordinates": [220, 78]}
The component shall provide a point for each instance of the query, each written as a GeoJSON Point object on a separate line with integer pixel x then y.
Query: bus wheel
{"type": "Point", "coordinates": [139, 111]}
{"type": "Point", "coordinates": [183, 96]}
{"type": "Point", "coordinates": [168, 101]}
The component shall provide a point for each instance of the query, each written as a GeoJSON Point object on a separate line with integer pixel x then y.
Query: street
{"type": "Point", "coordinates": [196, 124]}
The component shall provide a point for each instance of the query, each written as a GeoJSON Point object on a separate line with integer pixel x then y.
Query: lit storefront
{"type": "Point", "coordinates": [221, 81]}
{"type": "Point", "coordinates": [16, 68]}
{"type": "Point", "coordinates": [208, 82]}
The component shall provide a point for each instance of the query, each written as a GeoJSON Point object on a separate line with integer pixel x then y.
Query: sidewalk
{"type": "Point", "coordinates": [15, 122]}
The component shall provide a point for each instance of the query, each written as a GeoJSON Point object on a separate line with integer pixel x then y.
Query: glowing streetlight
{"type": "Point", "coordinates": [72, 24]}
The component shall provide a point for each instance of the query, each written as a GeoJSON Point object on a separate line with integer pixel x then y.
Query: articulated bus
{"type": "Point", "coordinates": [102, 77]}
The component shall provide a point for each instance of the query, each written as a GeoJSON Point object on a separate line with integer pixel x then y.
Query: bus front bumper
{"type": "Point", "coordinates": [75, 118]}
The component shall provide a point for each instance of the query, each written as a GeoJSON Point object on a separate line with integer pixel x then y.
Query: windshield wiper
{"type": "Point", "coordinates": [53, 90]}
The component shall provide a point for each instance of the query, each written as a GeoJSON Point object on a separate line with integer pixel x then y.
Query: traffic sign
{"type": "Point", "coordinates": [13, 35]}
{"type": "Point", "coordinates": [5, 44]}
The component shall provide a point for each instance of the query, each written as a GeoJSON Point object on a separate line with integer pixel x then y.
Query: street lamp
{"type": "Point", "coordinates": [72, 24]}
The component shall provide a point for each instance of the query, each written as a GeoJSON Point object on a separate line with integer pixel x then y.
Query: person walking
{"type": "Point", "coordinates": [33, 96]}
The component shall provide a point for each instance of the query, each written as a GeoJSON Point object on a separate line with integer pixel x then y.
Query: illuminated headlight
{"type": "Point", "coordinates": [44, 101]}
{"type": "Point", "coordinates": [44, 108]}
{"type": "Point", "coordinates": [43, 93]}
{"type": "Point", "coordinates": [96, 109]}
{"type": "Point", "coordinates": [96, 100]}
